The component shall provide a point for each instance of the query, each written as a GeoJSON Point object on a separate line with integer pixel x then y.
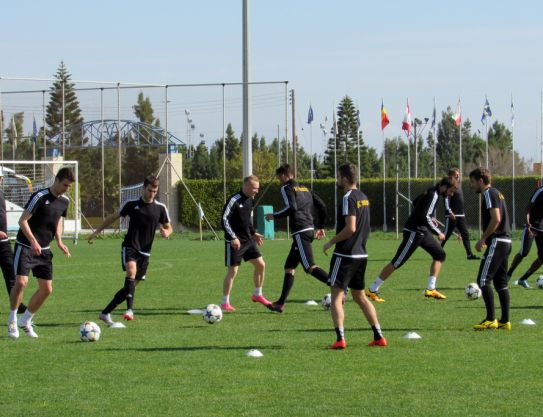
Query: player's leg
{"type": "Point", "coordinates": [130, 285]}
{"type": "Point", "coordinates": [45, 289]}
{"type": "Point", "coordinates": [305, 250]}
{"type": "Point", "coordinates": [450, 224]}
{"type": "Point", "coordinates": [525, 246]}
{"type": "Point", "coordinates": [227, 285]}
{"type": "Point", "coordinates": [431, 245]}
{"type": "Point", "coordinates": [292, 261]}
{"type": "Point", "coordinates": [500, 283]}
{"type": "Point", "coordinates": [410, 243]}
{"type": "Point", "coordinates": [15, 298]}
{"type": "Point", "coordinates": [484, 278]}
{"type": "Point", "coordinates": [6, 263]}
{"type": "Point", "coordinates": [338, 270]}
{"type": "Point", "coordinates": [121, 295]}
{"type": "Point", "coordinates": [258, 280]}
{"type": "Point", "coordinates": [536, 264]}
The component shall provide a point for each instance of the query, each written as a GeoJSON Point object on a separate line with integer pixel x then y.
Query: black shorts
{"type": "Point", "coordinates": [411, 241]}
{"type": "Point", "coordinates": [301, 251]}
{"type": "Point", "coordinates": [40, 265]}
{"type": "Point", "coordinates": [142, 261]}
{"type": "Point", "coordinates": [247, 251]}
{"type": "Point", "coordinates": [347, 272]}
{"type": "Point", "coordinates": [494, 264]}
{"type": "Point", "coordinates": [525, 243]}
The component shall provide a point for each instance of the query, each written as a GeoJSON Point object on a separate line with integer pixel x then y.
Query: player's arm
{"type": "Point", "coordinates": [431, 201]}
{"type": "Point", "coordinates": [321, 213]}
{"type": "Point", "coordinates": [290, 204]}
{"type": "Point", "coordinates": [58, 238]}
{"type": "Point", "coordinates": [226, 225]}
{"type": "Point", "coordinates": [448, 208]}
{"type": "Point", "coordinates": [25, 227]}
{"type": "Point", "coordinates": [107, 221]}
{"type": "Point", "coordinates": [495, 219]}
{"type": "Point", "coordinates": [166, 230]}
{"type": "Point", "coordinates": [344, 234]}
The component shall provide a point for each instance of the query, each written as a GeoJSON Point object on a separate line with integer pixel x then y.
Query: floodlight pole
{"type": "Point", "coordinates": [247, 143]}
{"type": "Point", "coordinates": [63, 119]}
{"type": "Point", "coordinates": [223, 149]}
{"type": "Point", "coordinates": [119, 153]}
{"type": "Point", "coordinates": [102, 146]}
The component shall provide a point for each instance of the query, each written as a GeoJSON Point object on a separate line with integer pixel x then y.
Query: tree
{"type": "Point", "coordinates": [72, 112]}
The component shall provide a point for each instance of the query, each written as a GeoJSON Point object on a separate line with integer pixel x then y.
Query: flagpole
{"type": "Point", "coordinates": [311, 150]}
{"type": "Point", "coordinates": [384, 184]}
{"type": "Point", "coordinates": [460, 138]}
{"type": "Point", "coordinates": [397, 186]}
{"type": "Point", "coordinates": [513, 167]}
{"type": "Point", "coordinates": [435, 143]}
{"type": "Point", "coordinates": [44, 127]}
{"type": "Point", "coordinates": [486, 129]}
{"type": "Point", "coordinates": [335, 162]}
{"type": "Point", "coordinates": [408, 170]}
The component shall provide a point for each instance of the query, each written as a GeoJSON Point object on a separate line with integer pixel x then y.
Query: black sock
{"type": "Point", "coordinates": [130, 287]}
{"type": "Point", "coordinates": [288, 282]}
{"type": "Point", "coordinates": [376, 333]}
{"type": "Point", "coordinates": [488, 296]}
{"type": "Point", "coordinates": [503, 295]}
{"type": "Point", "coordinates": [118, 298]}
{"type": "Point", "coordinates": [320, 274]}
{"type": "Point", "coordinates": [340, 334]}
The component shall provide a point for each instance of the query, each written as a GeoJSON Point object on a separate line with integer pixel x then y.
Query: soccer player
{"type": "Point", "coordinates": [241, 241]}
{"type": "Point", "coordinates": [497, 240]}
{"type": "Point", "coordinates": [6, 254]}
{"type": "Point", "coordinates": [454, 214]}
{"type": "Point", "coordinates": [299, 204]}
{"type": "Point", "coordinates": [39, 224]}
{"type": "Point", "coordinates": [146, 214]}
{"type": "Point", "coordinates": [417, 232]}
{"type": "Point", "coordinates": [348, 264]}
{"type": "Point", "coordinates": [532, 229]}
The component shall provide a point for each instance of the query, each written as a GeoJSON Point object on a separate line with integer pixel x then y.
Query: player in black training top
{"type": "Point", "coordinates": [241, 241]}
{"type": "Point", "coordinates": [497, 240]}
{"type": "Point", "coordinates": [532, 229]}
{"type": "Point", "coordinates": [455, 216]}
{"type": "Point", "coordinates": [417, 232]}
{"type": "Point", "coordinates": [348, 264]}
{"type": "Point", "coordinates": [6, 254]}
{"type": "Point", "coordinates": [146, 214]}
{"type": "Point", "coordinates": [39, 224]}
{"type": "Point", "coordinates": [300, 202]}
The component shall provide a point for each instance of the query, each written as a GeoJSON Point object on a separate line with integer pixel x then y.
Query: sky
{"type": "Point", "coordinates": [371, 51]}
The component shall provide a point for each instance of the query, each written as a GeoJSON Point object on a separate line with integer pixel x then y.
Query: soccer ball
{"type": "Point", "coordinates": [539, 282]}
{"type": "Point", "coordinates": [89, 332]}
{"type": "Point", "coordinates": [212, 313]}
{"type": "Point", "coordinates": [473, 292]}
{"type": "Point", "coordinates": [326, 301]}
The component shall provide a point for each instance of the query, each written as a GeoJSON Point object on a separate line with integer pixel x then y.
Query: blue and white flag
{"type": "Point", "coordinates": [310, 115]}
{"type": "Point", "coordinates": [486, 111]}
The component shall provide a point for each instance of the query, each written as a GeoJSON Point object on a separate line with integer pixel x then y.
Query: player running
{"type": "Point", "coordinates": [241, 241]}
{"type": "Point", "coordinates": [146, 214]}
{"type": "Point", "coordinates": [417, 232]}
{"type": "Point", "coordinates": [300, 202]}
{"type": "Point", "coordinates": [39, 224]}
{"type": "Point", "coordinates": [348, 264]}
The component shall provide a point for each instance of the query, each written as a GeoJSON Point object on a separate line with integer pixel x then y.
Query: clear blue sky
{"type": "Point", "coordinates": [325, 49]}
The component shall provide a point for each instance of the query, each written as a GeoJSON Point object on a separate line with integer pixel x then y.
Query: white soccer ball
{"type": "Point", "coordinates": [539, 282]}
{"type": "Point", "coordinates": [89, 332]}
{"type": "Point", "coordinates": [212, 313]}
{"type": "Point", "coordinates": [473, 292]}
{"type": "Point", "coordinates": [326, 301]}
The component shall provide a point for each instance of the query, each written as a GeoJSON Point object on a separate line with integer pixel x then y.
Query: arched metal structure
{"type": "Point", "coordinates": [133, 133]}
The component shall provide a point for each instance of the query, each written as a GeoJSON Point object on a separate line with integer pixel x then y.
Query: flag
{"type": "Point", "coordinates": [34, 131]}
{"type": "Point", "coordinates": [310, 115]}
{"type": "Point", "coordinates": [486, 111]}
{"type": "Point", "coordinates": [384, 116]}
{"type": "Point", "coordinates": [434, 115]}
{"type": "Point", "coordinates": [458, 115]}
{"type": "Point", "coordinates": [512, 113]}
{"type": "Point", "coordinates": [406, 124]}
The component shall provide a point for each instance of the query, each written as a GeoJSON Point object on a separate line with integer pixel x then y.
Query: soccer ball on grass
{"type": "Point", "coordinates": [326, 301]}
{"type": "Point", "coordinates": [89, 332]}
{"type": "Point", "coordinates": [212, 313]}
{"type": "Point", "coordinates": [473, 292]}
{"type": "Point", "coordinates": [539, 282]}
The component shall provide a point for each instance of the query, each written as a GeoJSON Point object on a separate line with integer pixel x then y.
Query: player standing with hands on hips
{"type": "Point", "coordinates": [348, 264]}
{"type": "Point", "coordinates": [39, 224]}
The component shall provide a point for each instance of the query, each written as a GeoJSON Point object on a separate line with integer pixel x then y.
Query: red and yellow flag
{"type": "Point", "coordinates": [384, 117]}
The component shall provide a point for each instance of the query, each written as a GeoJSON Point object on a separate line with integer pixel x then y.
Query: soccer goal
{"type": "Point", "coordinates": [22, 178]}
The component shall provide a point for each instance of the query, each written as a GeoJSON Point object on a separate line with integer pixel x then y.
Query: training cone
{"type": "Point", "coordinates": [311, 303]}
{"type": "Point", "coordinates": [528, 322]}
{"type": "Point", "coordinates": [254, 353]}
{"type": "Point", "coordinates": [412, 335]}
{"type": "Point", "coordinates": [117, 325]}
{"type": "Point", "coordinates": [195, 311]}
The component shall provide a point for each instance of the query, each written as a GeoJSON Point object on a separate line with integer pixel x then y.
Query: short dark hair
{"type": "Point", "coordinates": [151, 180]}
{"type": "Point", "coordinates": [453, 171]}
{"type": "Point", "coordinates": [481, 173]}
{"type": "Point", "coordinates": [349, 171]}
{"type": "Point", "coordinates": [448, 182]}
{"type": "Point", "coordinates": [285, 169]}
{"type": "Point", "coordinates": [65, 174]}
{"type": "Point", "coordinates": [250, 178]}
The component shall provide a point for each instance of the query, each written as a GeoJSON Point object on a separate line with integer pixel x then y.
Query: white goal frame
{"type": "Point", "coordinates": [22, 178]}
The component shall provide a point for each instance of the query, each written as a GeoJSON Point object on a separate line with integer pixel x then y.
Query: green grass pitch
{"type": "Point", "coordinates": [170, 363]}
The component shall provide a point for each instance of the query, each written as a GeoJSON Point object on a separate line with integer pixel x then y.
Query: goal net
{"type": "Point", "coordinates": [22, 178]}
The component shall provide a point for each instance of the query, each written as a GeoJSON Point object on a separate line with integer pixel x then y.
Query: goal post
{"type": "Point", "coordinates": [22, 178]}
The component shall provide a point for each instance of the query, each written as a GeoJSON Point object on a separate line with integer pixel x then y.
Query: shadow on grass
{"type": "Point", "coordinates": [197, 348]}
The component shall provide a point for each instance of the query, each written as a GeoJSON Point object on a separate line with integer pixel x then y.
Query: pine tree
{"type": "Point", "coordinates": [72, 111]}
